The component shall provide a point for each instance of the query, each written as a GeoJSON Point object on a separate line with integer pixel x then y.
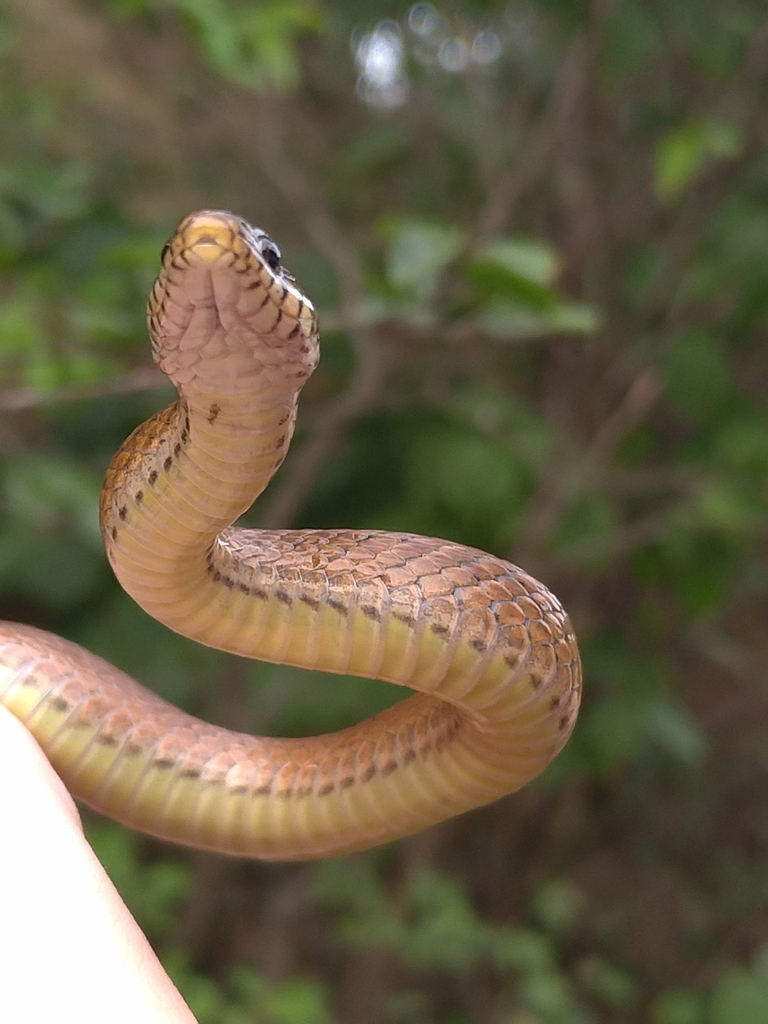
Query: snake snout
{"type": "Point", "coordinates": [208, 227]}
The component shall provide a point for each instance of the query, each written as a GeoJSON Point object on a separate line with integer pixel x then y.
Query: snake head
{"type": "Point", "coordinates": [225, 308]}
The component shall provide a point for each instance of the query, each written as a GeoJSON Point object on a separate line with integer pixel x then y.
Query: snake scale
{"type": "Point", "coordinates": [490, 651]}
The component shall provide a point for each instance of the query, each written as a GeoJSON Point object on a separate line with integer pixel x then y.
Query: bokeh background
{"type": "Point", "coordinates": [537, 235]}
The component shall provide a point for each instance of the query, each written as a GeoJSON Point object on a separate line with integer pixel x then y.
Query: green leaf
{"type": "Point", "coordinates": [559, 904]}
{"type": "Point", "coordinates": [739, 998]}
{"type": "Point", "coordinates": [253, 45]}
{"type": "Point", "coordinates": [604, 981]}
{"type": "Point", "coordinates": [418, 252]}
{"type": "Point", "coordinates": [550, 996]}
{"type": "Point", "coordinates": [492, 279]}
{"type": "Point", "coordinates": [55, 191]}
{"type": "Point", "coordinates": [528, 259]}
{"type": "Point", "coordinates": [696, 373]}
{"type": "Point", "coordinates": [515, 322]}
{"type": "Point", "coordinates": [523, 950]}
{"type": "Point", "coordinates": [630, 34]}
{"type": "Point", "coordinates": [46, 494]}
{"type": "Point", "coordinates": [612, 732]}
{"type": "Point", "coordinates": [685, 152]}
{"type": "Point", "coordinates": [678, 1006]}
{"type": "Point", "coordinates": [575, 318]}
{"type": "Point", "coordinates": [465, 483]}
{"type": "Point", "coordinates": [586, 526]}
{"type": "Point", "coordinates": [742, 444]}
{"type": "Point", "coordinates": [676, 731]}
{"type": "Point", "coordinates": [728, 506]}
{"type": "Point", "coordinates": [760, 962]}
{"type": "Point", "coordinates": [19, 328]}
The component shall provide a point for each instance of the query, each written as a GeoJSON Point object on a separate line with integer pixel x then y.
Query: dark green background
{"type": "Point", "coordinates": [543, 288]}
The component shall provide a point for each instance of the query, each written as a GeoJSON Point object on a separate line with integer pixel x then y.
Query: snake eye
{"type": "Point", "coordinates": [269, 253]}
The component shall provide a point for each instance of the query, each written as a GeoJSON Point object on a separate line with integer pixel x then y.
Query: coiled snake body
{"type": "Point", "coordinates": [489, 649]}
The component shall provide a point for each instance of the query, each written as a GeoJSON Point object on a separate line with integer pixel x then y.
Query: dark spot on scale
{"type": "Point", "coordinates": [167, 463]}
{"type": "Point", "coordinates": [152, 477]}
{"type": "Point", "coordinates": [240, 790]}
{"type": "Point", "coordinates": [326, 789]}
{"type": "Point", "coordinates": [189, 773]}
{"type": "Point", "coordinates": [228, 582]}
{"type": "Point", "coordinates": [369, 772]}
{"type": "Point", "coordinates": [451, 729]}
{"type": "Point", "coordinates": [59, 704]}
{"type": "Point", "coordinates": [243, 588]}
{"type": "Point", "coordinates": [554, 703]}
{"type": "Point", "coordinates": [338, 606]}
{"type": "Point", "coordinates": [371, 612]}
{"type": "Point", "coordinates": [479, 645]}
{"type": "Point", "coordinates": [294, 331]}
{"type": "Point", "coordinates": [139, 496]}
{"type": "Point", "coordinates": [439, 629]}
{"type": "Point", "coordinates": [216, 576]}
{"type": "Point", "coordinates": [409, 756]}
{"type": "Point", "coordinates": [404, 617]}
{"type": "Point", "coordinates": [113, 533]}
{"type": "Point", "coordinates": [388, 768]}
{"type": "Point", "coordinates": [186, 423]}
{"type": "Point", "coordinates": [213, 412]}
{"type": "Point", "coordinates": [263, 790]}
{"type": "Point", "coordinates": [313, 603]}
{"type": "Point", "coordinates": [346, 782]}
{"type": "Point", "coordinates": [122, 512]}
{"type": "Point", "coordinates": [177, 449]}
{"type": "Point", "coordinates": [563, 722]}
{"type": "Point", "coordinates": [512, 660]}
{"type": "Point", "coordinates": [262, 595]}
{"type": "Point", "coordinates": [184, 436]}
{"type": "Point", "coordinates": [163, 763]}
{"type": "Point", "coordinates": [284, 597]}
{"type": "Point", "coordinates": [106, 739]}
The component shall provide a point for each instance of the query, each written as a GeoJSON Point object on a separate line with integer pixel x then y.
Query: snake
{"type": "Point", "coordinates": [488, 649]}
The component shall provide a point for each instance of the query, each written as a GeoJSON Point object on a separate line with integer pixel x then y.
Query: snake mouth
{"type": "Point", "coordinates": [206, 247]}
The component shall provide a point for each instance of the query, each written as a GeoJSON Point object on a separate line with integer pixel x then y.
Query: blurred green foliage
{"type": "Point", "coordinates": [537, 234]}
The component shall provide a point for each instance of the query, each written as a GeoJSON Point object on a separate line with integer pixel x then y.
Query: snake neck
{"type": "Point", "coordinates": [181, 478]}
